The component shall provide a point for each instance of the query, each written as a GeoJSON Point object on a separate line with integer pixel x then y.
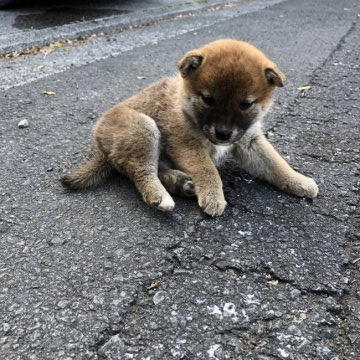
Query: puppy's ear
{"type": "Point", "coordinates": [275, 76]}
{"type": "Point", "coordinates": [189, 63]}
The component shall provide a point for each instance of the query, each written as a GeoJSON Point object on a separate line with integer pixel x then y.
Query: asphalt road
{"type": "Point", "coordinates": [99, 275]}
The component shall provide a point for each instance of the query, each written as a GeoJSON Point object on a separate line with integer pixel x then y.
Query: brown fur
{"type": "Point", "coordinates": [212, 108]}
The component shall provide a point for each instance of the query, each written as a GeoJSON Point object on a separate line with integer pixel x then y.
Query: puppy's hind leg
{"type": "Point", "coordinates": [137, 154]}
{"type": "Point", "coordinates": [176, 181]}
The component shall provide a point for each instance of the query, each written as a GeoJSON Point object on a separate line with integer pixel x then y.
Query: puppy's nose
{"type": "Point", "coordinates": [223, 134]}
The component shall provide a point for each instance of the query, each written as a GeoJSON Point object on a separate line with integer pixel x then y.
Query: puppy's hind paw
{"type": "Point", "coordinates": [188, 188]}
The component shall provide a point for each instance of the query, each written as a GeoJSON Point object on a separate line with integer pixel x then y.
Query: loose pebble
{"type": "Point", "coordinates": [159, 297]}
{"type": "Point", "coordinates": [23, 124]}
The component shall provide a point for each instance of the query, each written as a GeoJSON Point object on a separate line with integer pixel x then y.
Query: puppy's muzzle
{"type": "Point", "coordinates": [223, 134]}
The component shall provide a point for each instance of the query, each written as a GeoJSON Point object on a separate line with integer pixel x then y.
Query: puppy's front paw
{"type": "Point", "coordinates": [302, 186]}
{"type": "Point", "coordinates": [166, 204]}
{"type": "Point", "coordinates": [211, 204]}
{"type": "Point", "coordinates": [163, 202]}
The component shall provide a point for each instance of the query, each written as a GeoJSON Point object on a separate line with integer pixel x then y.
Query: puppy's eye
{"type": "Point", "coordinates": [208, 100]}
{"type": "Point", "coordinates": [245, 105]}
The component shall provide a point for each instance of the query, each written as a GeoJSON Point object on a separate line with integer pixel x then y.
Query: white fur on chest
{"type": "Point", "coordinates": [220, 154]}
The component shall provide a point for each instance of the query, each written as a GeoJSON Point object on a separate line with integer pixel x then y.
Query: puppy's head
{"type": "Point", "coordinates": [228, 87]}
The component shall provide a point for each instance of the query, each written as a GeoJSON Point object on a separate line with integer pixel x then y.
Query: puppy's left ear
{"type": "Point", "coordinates": [189, 63]}
{"type": "Point", "coordinates": [275, 76]}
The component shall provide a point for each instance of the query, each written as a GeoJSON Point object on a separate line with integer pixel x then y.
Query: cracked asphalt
{"type": "Point", "coordinates": [99, 275]}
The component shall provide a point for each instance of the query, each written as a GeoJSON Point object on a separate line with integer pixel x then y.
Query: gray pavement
{"type": "Point", "coordinates": [99, 275]}
{"type": "Point", "coordinates": [48, 22]}
{"type": "Point", "coordinates": [150, 28]}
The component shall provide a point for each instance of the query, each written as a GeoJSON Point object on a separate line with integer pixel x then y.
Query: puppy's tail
{"type": "Point", "coordinates": [91, 173]}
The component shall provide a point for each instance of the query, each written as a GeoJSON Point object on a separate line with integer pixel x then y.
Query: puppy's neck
{"type": "Point", "coordinates": [220, 153]}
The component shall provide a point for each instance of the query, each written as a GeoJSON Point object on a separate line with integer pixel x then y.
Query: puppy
{"type": "Point", "coordinates": [172, 135]}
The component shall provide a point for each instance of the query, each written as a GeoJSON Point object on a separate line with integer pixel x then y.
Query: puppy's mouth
{"type": "Point", "coordinates": [218, 142]}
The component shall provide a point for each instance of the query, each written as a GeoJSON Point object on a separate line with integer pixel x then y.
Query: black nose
{"type": "Point", "coordinates": [223, 134]}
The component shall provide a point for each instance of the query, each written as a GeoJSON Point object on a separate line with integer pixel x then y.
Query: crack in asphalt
{"type": "Point", "coordinates": [334, 50]}
{"type": "Point", "coordinates": [269, 274]}
{"type": "Point", "coordinates": [143, 293]}
{"type": "Point", "coordinates": [312, 81]}
{"type": "Point", "coordinates": [347, 295]}
{"type": "Point", "coordinates": [106, 334]}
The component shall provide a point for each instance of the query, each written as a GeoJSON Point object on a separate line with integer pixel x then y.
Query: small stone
{"type": "Point", "coordinates": [62, 304]}
{"type": "Point", "coordinates": [174, 321]}
{"type": "Point", "coordinates": [115, 343]}
{"type": "Point", "coordinates": [108, 265]}
{"type": "Point", "coordinates": [75, 305]}
{"type": "Point", "coordinates": [182, 272]}
{"type": "Point", "coordinates": [332, 306]}
{"type": "Point", "coordinates": [98, 300]}
{"type": "Point", "coordinates": [57, 240]}
{"type": "Point", "coordinates": [6, 327]}
{"type": "Point", "coordinates": [295, 293]}
{"type": "Point", "coordinates": [159, 297]}
{"type": "Point", "coordinates": [154, 326]}
{"type": "Point", "coordinates": [178, 251]}
{"type": "Point", "coordinates": [27, 182]}
{"type": "Point", "coordinates": [323, 352]}
{"type": "Point", "coordinates": [294, 330]}
{"type": "Point", "coordinates": [353, 338]}
{"type": "Point", "coordinates": [270, 315]}
{"type": "Point", "coordinates": [222, 265]}
{"type": "Point", "coordinates": [35, 335]}
{"type": "Point", "coordinates": [24, 123]}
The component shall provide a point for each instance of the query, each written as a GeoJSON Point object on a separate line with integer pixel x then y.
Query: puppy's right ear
{"type": "Point", "coordinates": [189, 63]}
{"type": "Point", "coordinates": [275, 76]}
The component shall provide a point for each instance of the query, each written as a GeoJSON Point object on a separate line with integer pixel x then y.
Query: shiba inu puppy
{"type": "Point", "coordinates": [171, 136]}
